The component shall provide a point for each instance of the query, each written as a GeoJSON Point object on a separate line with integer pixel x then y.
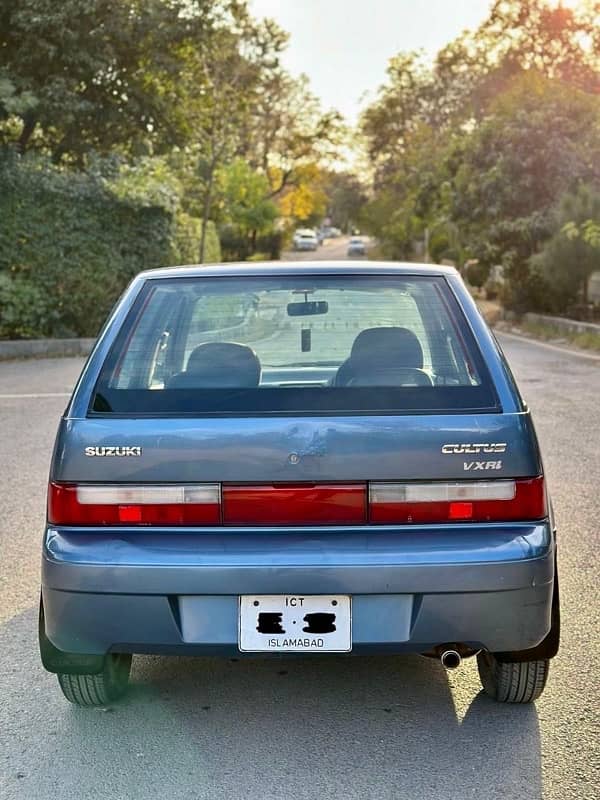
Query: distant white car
{"type": "Point", "coordinates": [356, 246]}
{"type": "Point", "coordinates": [305, 239]}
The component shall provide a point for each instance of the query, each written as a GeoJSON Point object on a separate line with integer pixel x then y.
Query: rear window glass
{"type": "Point", "coordinates": [298, 344]}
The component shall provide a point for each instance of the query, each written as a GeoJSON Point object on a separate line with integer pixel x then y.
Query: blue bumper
{"type": "Point", "coordinates": [412, 588]}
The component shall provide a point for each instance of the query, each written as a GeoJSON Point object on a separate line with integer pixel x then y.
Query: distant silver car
{"type": "Point", "coordinates": [305, 239]}
{"type": "Point", "coordinates": [356, 247]}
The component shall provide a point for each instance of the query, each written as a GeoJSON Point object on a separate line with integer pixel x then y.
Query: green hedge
{"type": "Point", "coordinates": [68, 247]}
{"type": "Point", "coordinates": [236, 247]}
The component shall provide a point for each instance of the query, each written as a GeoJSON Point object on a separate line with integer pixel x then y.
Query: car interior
{"type": "Point", "coordinates": [386, 356]}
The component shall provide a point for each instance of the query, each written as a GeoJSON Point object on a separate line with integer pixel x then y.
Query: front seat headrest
{"type": "Point", "coordinates": [392, 346]}
{"type": "Point", "coordinates": [215, 365]}
{"type": "Point", "coordinates": [380, 348]}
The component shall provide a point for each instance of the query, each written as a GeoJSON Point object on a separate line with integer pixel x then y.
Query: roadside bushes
{"type": "Point", "coordinates": [24, 309]}
{"type": "Point", "coordinates": [69, 246]}
{"type": "Point", "coordinates": [240, 247]}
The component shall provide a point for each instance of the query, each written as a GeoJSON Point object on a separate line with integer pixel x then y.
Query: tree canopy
{"type": "Point", "coordinates": [472, 153]}
{"type": "Point", "coordinates": [178, 111]}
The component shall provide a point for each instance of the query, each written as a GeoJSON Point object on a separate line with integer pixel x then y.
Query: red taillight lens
{"type": "Point", "coordinates": [467, 501]}
{"type": "Point", "coordinates": [134, 505]}
{"type": "Point", "coordinates": [295, 504]}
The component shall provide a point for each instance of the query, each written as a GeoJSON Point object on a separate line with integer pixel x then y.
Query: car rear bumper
{"type": "Point", "coordinates": [412, 589]}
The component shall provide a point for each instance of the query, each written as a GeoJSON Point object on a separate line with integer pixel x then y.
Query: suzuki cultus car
{"type": "Point", "coordinates": [297, 458]}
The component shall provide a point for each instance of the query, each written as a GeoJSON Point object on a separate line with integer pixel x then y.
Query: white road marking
{"type": "Point", "coordinates": [564, 350]}
{"type": "Point", "coordinates": [41, 395]}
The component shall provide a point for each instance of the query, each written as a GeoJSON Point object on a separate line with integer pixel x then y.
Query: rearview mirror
{"type": "Point", "coordinates": [307, 309]}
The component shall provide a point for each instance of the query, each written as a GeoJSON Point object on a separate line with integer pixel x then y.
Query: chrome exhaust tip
{"type": "Point", "coordinates": [451, 659]}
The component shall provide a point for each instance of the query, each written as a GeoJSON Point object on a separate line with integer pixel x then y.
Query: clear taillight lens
{"type": "Point", "coordinates": [198, 504]}
{"type": "Point", "coordinates": [466, 501]}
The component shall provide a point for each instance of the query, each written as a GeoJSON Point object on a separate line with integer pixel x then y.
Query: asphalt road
{"type": "Point", "coordinates": [318, 728]}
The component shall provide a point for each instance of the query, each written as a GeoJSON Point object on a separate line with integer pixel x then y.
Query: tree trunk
{"type": "Point", "coordinates": [29, 123]}
{"type": "Point", "coordinates": [206, 211]}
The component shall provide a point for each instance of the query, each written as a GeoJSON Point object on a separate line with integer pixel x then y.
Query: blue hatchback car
{"type": "Point", "coordinates": [297, 458]}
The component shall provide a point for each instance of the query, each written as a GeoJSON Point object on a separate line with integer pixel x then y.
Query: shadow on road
{"type": "Point", "coordinates": [361, 727]}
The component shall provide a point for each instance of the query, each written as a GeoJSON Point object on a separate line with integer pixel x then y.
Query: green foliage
{"type": "Point", "coordinates": [188, 232]}
{"type": "Point", "coordinates": [246, 205]}
{"type": "Point", "coordinates": [175, 108]}
{"type": "Point", "coordinates": [346, 199]}
{"type": "Point", "coordinates": [69, 245]}
{"type": "Point", "coordinates": [571, 254]}
{"type": "Point", "coordinates": [237, 247]}
{"type": "Point", "coordinates": [26, 309]}
{"type": "Point", "coordinates": [589, 231]}
{"type": "Point", "coordinates": [470, 156]}
{"type": "Point", "coordinates": [477, 274]}
{"type": "Point", "coordinates": [147, 182]}
{"type": "Point", "coordinates": [91, 74]}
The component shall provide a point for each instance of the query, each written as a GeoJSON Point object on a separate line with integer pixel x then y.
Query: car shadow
{"type": "Point", "coordinates": [318, 727]}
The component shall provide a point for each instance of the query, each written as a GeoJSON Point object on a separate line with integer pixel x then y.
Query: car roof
{"type": "Point", "coordinates": [267, 268]}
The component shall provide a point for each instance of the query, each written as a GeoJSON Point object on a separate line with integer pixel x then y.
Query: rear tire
{"type": "Point", "coordinates": [512, 681]}
{"type": "Point", "coordinates": [100, 689]}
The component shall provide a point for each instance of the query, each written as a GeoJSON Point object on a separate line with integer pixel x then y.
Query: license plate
{"type": "Point", "coordinates": [278, 623]}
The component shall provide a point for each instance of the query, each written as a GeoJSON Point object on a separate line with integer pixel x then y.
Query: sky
{"type": "Point", "coordinates": [344, 45]}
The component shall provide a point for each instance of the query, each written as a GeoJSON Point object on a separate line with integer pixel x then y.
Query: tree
{"type": "Point", "coordinates": [346, 198]}
{"type": "Point", "coordinates": [98, 74]}
{"type": "Point", "coordinates": [402, 105]}
{"type": "Point", "coordinates": [246, 207]}
{"type": "Point", "coordinates": [518, 35]}
{"type": "Point", "coordinates": [572, 253]}
{"type": "Point", "coordinates": [469, 73]}
{"type": "Point", "coordinates": [287, 130]}
{"type": "Point", "coordinates": [540, 138]}
{"type": "Point", "coordinates": [304, 200]}
{"type": "Point", "coordinates": [222, 81]}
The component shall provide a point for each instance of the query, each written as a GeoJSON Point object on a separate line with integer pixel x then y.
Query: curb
{"type": "Point", "coordinates": [578, 352]}
{"type": "Point", "coordinates": [44, 348]}
{"type": "Point", "coordinates": [563, 323]}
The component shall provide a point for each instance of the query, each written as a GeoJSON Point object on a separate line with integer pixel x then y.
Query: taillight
{"type": "Point", "coordinates": [466, 501]}
{"type": "Point", "coordinates": [134, 505]}
{"type": "Point", "coordinates": [295, 504]}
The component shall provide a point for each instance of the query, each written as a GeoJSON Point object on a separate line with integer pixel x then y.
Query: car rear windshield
{"type": "Point", "coordinates": [293, 344]}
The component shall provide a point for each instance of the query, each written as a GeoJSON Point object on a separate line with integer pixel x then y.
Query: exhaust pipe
{"type": "Point", "coordinates": [451, 659]}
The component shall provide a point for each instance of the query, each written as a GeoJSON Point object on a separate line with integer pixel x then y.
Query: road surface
{"type": "Point", "coordinates": [313, 728]}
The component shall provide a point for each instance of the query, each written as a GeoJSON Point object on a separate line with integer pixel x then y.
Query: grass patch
{"type": "Point", "coordinates": [587, 340]}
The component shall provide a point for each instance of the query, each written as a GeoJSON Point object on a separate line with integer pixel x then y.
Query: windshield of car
{"type": "Point", "coordinates": [210, 344]}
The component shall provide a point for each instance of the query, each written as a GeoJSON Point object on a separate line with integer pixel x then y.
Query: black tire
{"type": "Point", "coordinates": [100, 689]}
{"type": "Point", "coordinates": [512, 681]}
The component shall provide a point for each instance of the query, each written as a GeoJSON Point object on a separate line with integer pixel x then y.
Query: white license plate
{"type": "Point", "coordinates": [280, 623]}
